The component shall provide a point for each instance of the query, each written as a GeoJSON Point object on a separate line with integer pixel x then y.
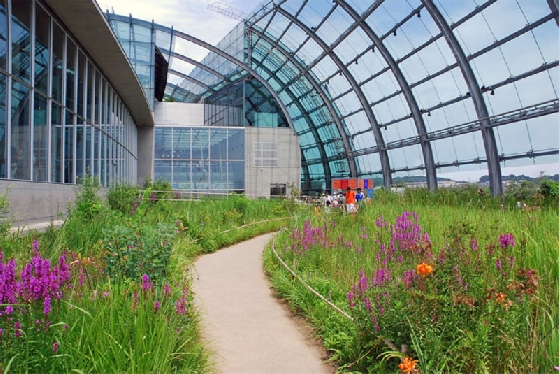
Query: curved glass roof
{"type": "Point", "coordinates": [395, 88]}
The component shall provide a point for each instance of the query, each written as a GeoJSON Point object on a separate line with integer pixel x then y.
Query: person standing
{"type": "Point", "coordinates": [359, 196]}
{"type": "Point", "coordinates": [327, 201]}
{"type": "Point", "coordinates": [350, 200]}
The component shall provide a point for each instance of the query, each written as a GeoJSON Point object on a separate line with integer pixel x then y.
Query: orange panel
{"type": "Point", "coordinates": [336, 184]}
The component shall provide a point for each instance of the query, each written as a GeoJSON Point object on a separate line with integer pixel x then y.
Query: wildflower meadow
{"type": "Point", "coordinates": [109, 291]}
{"type": "Point", "coordinates": [435, 288]}
{"type": "Point", "coordinates": [420, 282]}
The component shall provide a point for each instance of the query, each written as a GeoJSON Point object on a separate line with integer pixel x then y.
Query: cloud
{"type": "Point", "coordinates": [189, 16]}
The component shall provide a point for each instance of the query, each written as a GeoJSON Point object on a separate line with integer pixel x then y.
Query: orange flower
{"type": "Point", "coordinates": [407, 365]}
{"type": "Point", "coordinates": [424, 269]}
{"type": "Point", "coordinates": [500, 297]}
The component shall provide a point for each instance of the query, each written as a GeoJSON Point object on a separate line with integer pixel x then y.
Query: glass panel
{"type": "Point", "coordinates": [236, 145]}
{"type": "Point", "coordinates": [181, 143]}
{"type": "Point", "coordinates": [200, 174]}
{"type": "Point", "coordinates": [70, 74]}
{"type": "Point", "coordinates": [80, 149]}
{"type": "Point", "coordinates": [81, 79]}
{"type": "Point", "coordinates": [3, 35]}
{"type": "Point", "coordinates": [200, 144]}
{"type": "Point", "coordinates": [90, 100]}
{"type": "Point", "coordinates": [218, 144]}
{"type": "Point", "coordinates": [20, 132]}
{"type": "Point", "coordinates": [96, 151]}
{"type": "Point", "coordinates": [218, 175]}
{"type": "Point", "coordinates": [69, 148]}
{"type": "Point", "coordinates": [88, 149]}
{"type": "Point", "coordinates": [42, 52]}
{"type": "Point", "coordinates": [181, 174]}
{"type": "Point", "coordinates": [21, 40]}
{"type": "Point", "coordinates": [56, 141]}
{"type": "Point", "coordinates": [237, 175]}
{"type": "Point", "coordinates": [59, 38]}
{"type": "Point", "coordinates": [162, 170]}
{"type": "Point", "coordinates": [163, 143]}
{"type": "Point", "coordinates": [3, 155]}
{"type": "Point", "coordinates": [40, 139]}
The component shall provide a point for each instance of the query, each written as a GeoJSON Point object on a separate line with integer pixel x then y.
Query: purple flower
{"type": "Point", "coordinates": [17, 327]}
{"type": "Point", "coordinates": [146, 284]}
{"type": "Point", "coordinates": [498, 263]}
{"type": "Point", "coordinates": [156, 306]}
{"type": "Point", "coordinates": [180, 306]}
{"type": "Point", "coordinates": [167, 289]}
{"type": "Point", "coordinates": [473, 244]}
{"type": "Point", "coordinates": [507, 240]}
{"type": "Point", "coordinates": [47, 306]}
{"type": "Point", "coordinates": [35, 246]}
{"type": "Point", "coordinates": [55, 346]}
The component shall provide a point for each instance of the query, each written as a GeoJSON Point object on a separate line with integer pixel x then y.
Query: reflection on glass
{"type": "Point", "coordinates": [56, 141]}
{"type": "Point", "coordinates": [40, 139]}
{"type": "Point", "coordinates": [20, 137]}
{"type": "Point", "coordinates": [3, 135]}
{"type": "Point", "coordinates": [21, 40]}
{"type": "Point", "coordinates": [42, 53]}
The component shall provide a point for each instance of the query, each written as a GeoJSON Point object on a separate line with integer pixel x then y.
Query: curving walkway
{"type": "Point", "coordinates": [244, 324]}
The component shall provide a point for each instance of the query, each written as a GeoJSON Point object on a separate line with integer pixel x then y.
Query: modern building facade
{"type": "Point", "coordinates": [313, 91]}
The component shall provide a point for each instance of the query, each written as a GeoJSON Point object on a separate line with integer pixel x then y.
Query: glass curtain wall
{"type": "Point", "coordinates": [399, 89]}
{"type": "Point", "coordinates": [201, 159]}
{"type": "Point", "coordinates": [63, 114]}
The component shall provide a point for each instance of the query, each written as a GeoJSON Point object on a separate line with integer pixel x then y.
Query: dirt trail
{"type": "Point", "coordinates": [243, 323]}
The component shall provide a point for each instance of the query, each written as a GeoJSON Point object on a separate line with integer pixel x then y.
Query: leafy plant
{"type": "Point", "coordinates": [132, 251]}
{"type": "Point", "coordinates": [123, 198]}
{"type": "Point", "coordinates": [88, 204]}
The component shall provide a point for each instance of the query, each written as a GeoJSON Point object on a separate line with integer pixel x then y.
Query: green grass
{"type": "Point", "coordinates": [468, 316]}
{"type": "Point", "coordinates": [117, 323]}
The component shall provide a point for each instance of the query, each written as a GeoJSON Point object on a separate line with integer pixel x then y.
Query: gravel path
{"type": "Point", "coordinates": [243, 323]}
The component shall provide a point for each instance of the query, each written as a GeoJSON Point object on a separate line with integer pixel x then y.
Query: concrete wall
{"type": "Point", "coordinates": [145, 154]}
{"type": "Point", "coordinates": [31, 201]}
{"type": "Point", "coordinates": [178, 114]}
{"type": "Point", "coordinates": [259, 179]}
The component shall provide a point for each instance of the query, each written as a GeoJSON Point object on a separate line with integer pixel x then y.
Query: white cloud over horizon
{"type": "Point", "coordinates": [189, 16]}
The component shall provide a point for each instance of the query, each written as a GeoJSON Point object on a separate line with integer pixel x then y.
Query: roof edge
{"type": "Point", "coordinates": [85, 20]}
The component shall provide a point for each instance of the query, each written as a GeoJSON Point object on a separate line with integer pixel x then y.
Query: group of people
{"type": "Point", "coordinates": [349, 202]}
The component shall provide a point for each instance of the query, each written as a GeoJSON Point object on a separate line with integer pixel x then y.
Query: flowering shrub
{"type": "Point", "coordinates": [452, 300]}
{"type": "Point", "coordinates": [131, 252]}
{"type": "Point", "coordinates": [48, 311]}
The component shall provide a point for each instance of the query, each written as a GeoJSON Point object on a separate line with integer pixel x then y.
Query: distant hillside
{"type": "Point", "coordinates": [519, 178]}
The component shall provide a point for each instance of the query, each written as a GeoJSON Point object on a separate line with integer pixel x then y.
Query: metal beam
{"type": "Point", "coordinates": [237, 62]}
{"type": "Point", "coordinates": [190, 79]}
{"type": "Point", "coordinates": [327, 171]}
{"type": "Point", "coordinates": [406, 90]}
{"type": "Point", "coordinates": [554, 6]}
{"type": "Point", "coordinates": [493, 165]}
{"type": "Point", "coordinates": [318, 90]}
{"type": "Point", "coordinates": [370, 116]}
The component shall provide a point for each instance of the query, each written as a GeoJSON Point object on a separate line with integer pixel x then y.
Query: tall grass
{"type": "Point", "coordinates": [483, 299]}
{"type": "Point", "coordinates": [109, 291]}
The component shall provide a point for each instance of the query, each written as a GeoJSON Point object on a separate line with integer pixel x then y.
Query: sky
{"type": "Point", "coordinates": [190, 16]}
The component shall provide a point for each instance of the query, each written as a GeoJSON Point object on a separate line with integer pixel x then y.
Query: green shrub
{"type": "Point", "coordinates": [132, 251]}
{"type": "Point", "coordinates": [88, 203]}
{"type": "Point", "coordinates": [550, 191]}
{"type": "Point", "coordinates": [123, 198]}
